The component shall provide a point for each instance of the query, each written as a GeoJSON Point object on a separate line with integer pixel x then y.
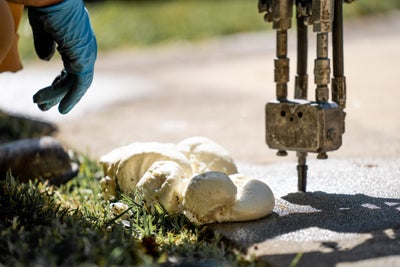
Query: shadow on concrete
{"type": "Point", "coordinates": [378, 246]}
{"type": "Point", "coordinates": [343, 214]}
{"type": "Point", "coordinates": [306, 217]}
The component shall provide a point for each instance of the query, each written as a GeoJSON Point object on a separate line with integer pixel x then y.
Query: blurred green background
{"type": "Point", "coordinates": [144, 23]}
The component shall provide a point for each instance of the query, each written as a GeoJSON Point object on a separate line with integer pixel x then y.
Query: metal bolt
{"type": "Point", "coordinates": [322, 155]}
{"type": "Point", "coordinates": [281, 153]}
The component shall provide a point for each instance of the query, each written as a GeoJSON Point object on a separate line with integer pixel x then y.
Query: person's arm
{"type": "Point", "coordinates": [36, 3]}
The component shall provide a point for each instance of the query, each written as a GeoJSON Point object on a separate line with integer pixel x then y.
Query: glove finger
{"type": "Point", "coordinates": [55, 92]}
{"type": "Point", "coordinates": [48, 105]}
{"type": "Point", "coordinates": [49, 94]}
{"type": "Point", "coordinates": [43, 41]}
{"type": "Point", "coordinates": [75, 94]}
{"type": "Point", "coordinates": [45, 47]}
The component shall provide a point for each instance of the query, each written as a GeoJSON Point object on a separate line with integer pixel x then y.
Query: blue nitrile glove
{"type": "Point", "coordinates": [68, 25]}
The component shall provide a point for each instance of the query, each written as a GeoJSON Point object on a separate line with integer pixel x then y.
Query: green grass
{"type": "Point", "coordinates": [138, 24]}
{"type": "Point", "coordinates": [152, 22]}
{"type": "Point", "coordinates": [73, 225]}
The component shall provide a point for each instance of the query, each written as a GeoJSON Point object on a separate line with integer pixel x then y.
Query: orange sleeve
{"type": "Point", "coordinates": [12, 61]}
{"type": "Point", "coordinates": [16, 10]}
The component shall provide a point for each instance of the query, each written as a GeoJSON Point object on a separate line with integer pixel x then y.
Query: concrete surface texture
{"type": "Point", "coordinates": [218, 89]}
{"type": "Point", "coordinates": [350, 214]}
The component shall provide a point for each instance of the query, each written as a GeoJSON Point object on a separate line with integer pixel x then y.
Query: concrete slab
{"type": "Point", "coordinates": [351, 213]}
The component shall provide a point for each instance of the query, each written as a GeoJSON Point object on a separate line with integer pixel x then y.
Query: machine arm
{"type": "Point", "coordinates": [298, 124]}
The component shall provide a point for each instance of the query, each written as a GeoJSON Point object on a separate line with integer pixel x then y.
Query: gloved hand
{"type": "Point", "coordinates": [68, 25]}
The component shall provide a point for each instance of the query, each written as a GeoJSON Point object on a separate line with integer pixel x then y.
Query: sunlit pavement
{"type": "Point", "coordinates": [218, 89]}
{"type": "Point", "coordinates": [350, 215]}
{"type": "Point", "coordinates": [17, 90]}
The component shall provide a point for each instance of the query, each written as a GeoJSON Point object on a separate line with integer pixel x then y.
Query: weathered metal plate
{"type": "Point", "coordinates": [304, 126]}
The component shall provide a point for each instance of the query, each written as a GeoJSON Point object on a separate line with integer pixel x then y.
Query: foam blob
{"type": "Point", "coordinates": [208, 196]}
{"type": "Point", "coordinates": [254, 199]}
{"type": "Point", "coordinates": [206, 155]}
{"type": "Point", "coordinates": [126, 165]}
{"type": "Point", "coordinates": [196, 177]}
{"type": "Point", "coordinates": [164, 183]}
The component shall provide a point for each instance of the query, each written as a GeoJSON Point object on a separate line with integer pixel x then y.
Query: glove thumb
{"type": "Point", "coordinates": [43, 41]}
